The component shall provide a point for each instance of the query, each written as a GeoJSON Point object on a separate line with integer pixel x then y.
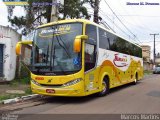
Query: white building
{"type": "Point", "coordinates": [8, 40]}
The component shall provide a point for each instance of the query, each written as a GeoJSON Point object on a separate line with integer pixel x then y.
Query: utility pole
{"type": "Point", "coordinates": [54, 11]}
{"type": "Point", "coordinates": [154, 51]}
{"type": "Point", "coordinates": [96, 10]}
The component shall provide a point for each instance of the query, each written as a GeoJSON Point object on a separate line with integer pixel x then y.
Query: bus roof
{"type": "Point", "coordinates": [87, 22]}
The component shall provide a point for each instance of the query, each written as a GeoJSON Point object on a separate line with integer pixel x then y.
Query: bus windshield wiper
{"type": "Point", "coordinates": [52, 53]}
{"type": "Point", "coordinates": [47, 54]}
{"type": "Point", "coordinates": [63, 46]}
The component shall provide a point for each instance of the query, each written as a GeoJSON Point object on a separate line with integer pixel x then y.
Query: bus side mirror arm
{"type": "Point", "coordinates": [77, 42]}
{"type": "Point", "coordinates": [19, 45]}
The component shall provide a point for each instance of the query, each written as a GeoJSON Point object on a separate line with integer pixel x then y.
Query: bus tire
{"type": "Point", "coordinates": [105, 85]}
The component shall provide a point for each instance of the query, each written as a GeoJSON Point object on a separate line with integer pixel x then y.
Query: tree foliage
{"type": "Point", "coordinates": [74, 9]}
{"type": "Point", "coordinates": [40, 14]}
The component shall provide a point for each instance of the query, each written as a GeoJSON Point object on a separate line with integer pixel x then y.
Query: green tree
{"type": "Point", "coordinates": [40, 14]}
{"type": "Point", "coordinates": [74, 9]}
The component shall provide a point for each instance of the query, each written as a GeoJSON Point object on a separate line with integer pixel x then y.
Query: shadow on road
{"type": "Point", "coordinates": [79, 100]}
{"type": "Point", "coordinates": [113, 90]}
{"type": "Point", "coordinates": [72, 100]}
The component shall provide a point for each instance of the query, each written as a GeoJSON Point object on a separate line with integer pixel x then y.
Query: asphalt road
{"type": "Point", "coordinates": [143, 98]}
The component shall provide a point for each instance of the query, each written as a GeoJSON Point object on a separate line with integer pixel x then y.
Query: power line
{"type": "Point", "coordinates": [121, 21]}
{"type": "Point", "coordinates": [115, 24]}
{"type": "Point", "coordinates": [104, 23]}
{"type": "Point", "coordinates": [117, 17]}
{"type": "Point", "coordinates": [107, 25]}
{"type": "Point", "coordinates": [135, 21]}
{"type": "Point", "coordinates": [151, 41]}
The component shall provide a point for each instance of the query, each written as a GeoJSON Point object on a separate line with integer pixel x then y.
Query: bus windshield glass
{"type": "Point", "coordinates": [52, 52]}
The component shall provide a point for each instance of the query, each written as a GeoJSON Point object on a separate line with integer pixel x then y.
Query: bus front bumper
{"type": "Point", "coordinates": [74, 90]}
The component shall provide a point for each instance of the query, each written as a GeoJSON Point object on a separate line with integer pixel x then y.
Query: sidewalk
{"type": "Point", "coordinates": [14, 89]}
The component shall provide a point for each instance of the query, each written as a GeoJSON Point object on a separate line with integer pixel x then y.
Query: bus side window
{"type": "Point", "coordinates": [91, 31]}
{"type": "Point", "coordinates": [89, 53]}
{"type": "Point", "coordinates": [90, 56]}
{"type": "Point", "coordinates": [104, 40]}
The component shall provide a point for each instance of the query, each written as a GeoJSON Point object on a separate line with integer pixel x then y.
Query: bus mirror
{"type": "Point", "coordinates": [77, 42]}
{"type": "Point", "coordinates": [77, 45]}
{"type": "Point", "coordinates": [18, 49]}
{"type": "Point", "coordinates": [19, 44]}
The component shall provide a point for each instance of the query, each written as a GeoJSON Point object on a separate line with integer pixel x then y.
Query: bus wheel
{"type": "Point", "coordinates": [105, 87]}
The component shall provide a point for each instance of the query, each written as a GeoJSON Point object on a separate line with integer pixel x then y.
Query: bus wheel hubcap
{"type": "Point", "coordinates": [104, 86]}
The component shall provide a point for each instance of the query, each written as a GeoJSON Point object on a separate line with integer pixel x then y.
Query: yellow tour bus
{"type": "Point", "coordinates": [78, 58]}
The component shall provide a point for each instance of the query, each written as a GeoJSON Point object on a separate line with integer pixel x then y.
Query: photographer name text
{"type": "Point", "coordinates": [142, 3]}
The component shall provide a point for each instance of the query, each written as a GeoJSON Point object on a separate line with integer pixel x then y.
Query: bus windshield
{"type": "Point", "coordinates": [52, 52]}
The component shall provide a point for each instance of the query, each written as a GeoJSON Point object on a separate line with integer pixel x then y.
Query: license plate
{"type": "Point", "coordinates": [50, 91]}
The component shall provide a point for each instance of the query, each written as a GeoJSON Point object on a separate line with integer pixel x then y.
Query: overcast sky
{"type": "Point", "coordinates": [141, 20]}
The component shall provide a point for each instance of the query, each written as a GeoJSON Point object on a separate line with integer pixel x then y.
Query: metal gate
{"type": "Point", "coordinates": [1, 60]}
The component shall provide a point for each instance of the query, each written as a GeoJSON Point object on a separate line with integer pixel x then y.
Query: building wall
{"type": "Point", "coordinates": [147, 66]}
{"type": "Point", "coordinates": [146, 52]}
{"type": "Point", "coordinates": [9, 38]}
{"type": "Point", "coordinates": [157, 60]}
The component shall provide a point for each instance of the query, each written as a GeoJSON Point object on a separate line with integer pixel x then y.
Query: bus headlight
{"type": "Point", "coordinates": [35, 82]}
{"type": "Point", "coordinates": [72, 82]}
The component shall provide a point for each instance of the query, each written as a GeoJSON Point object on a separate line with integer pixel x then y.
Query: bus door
{"type": "Point", "coordinates": [91, 77]}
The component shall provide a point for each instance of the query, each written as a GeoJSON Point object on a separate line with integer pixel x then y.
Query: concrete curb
{"type": "Point", "coordinates": [19, 99]}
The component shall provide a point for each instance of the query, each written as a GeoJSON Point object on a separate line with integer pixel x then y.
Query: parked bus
{"type": "Point", "coordinates": [78, 58]}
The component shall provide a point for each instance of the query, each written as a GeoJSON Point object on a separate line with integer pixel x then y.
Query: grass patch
{"type": "Point", "coordinates": [28, 91]}
{"type": "Point", "coordinates": [23, 81]}
{"type": "Point", "coordinates": [4, 97]}
{"type": "Point", "coordinates": [10, 96]}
